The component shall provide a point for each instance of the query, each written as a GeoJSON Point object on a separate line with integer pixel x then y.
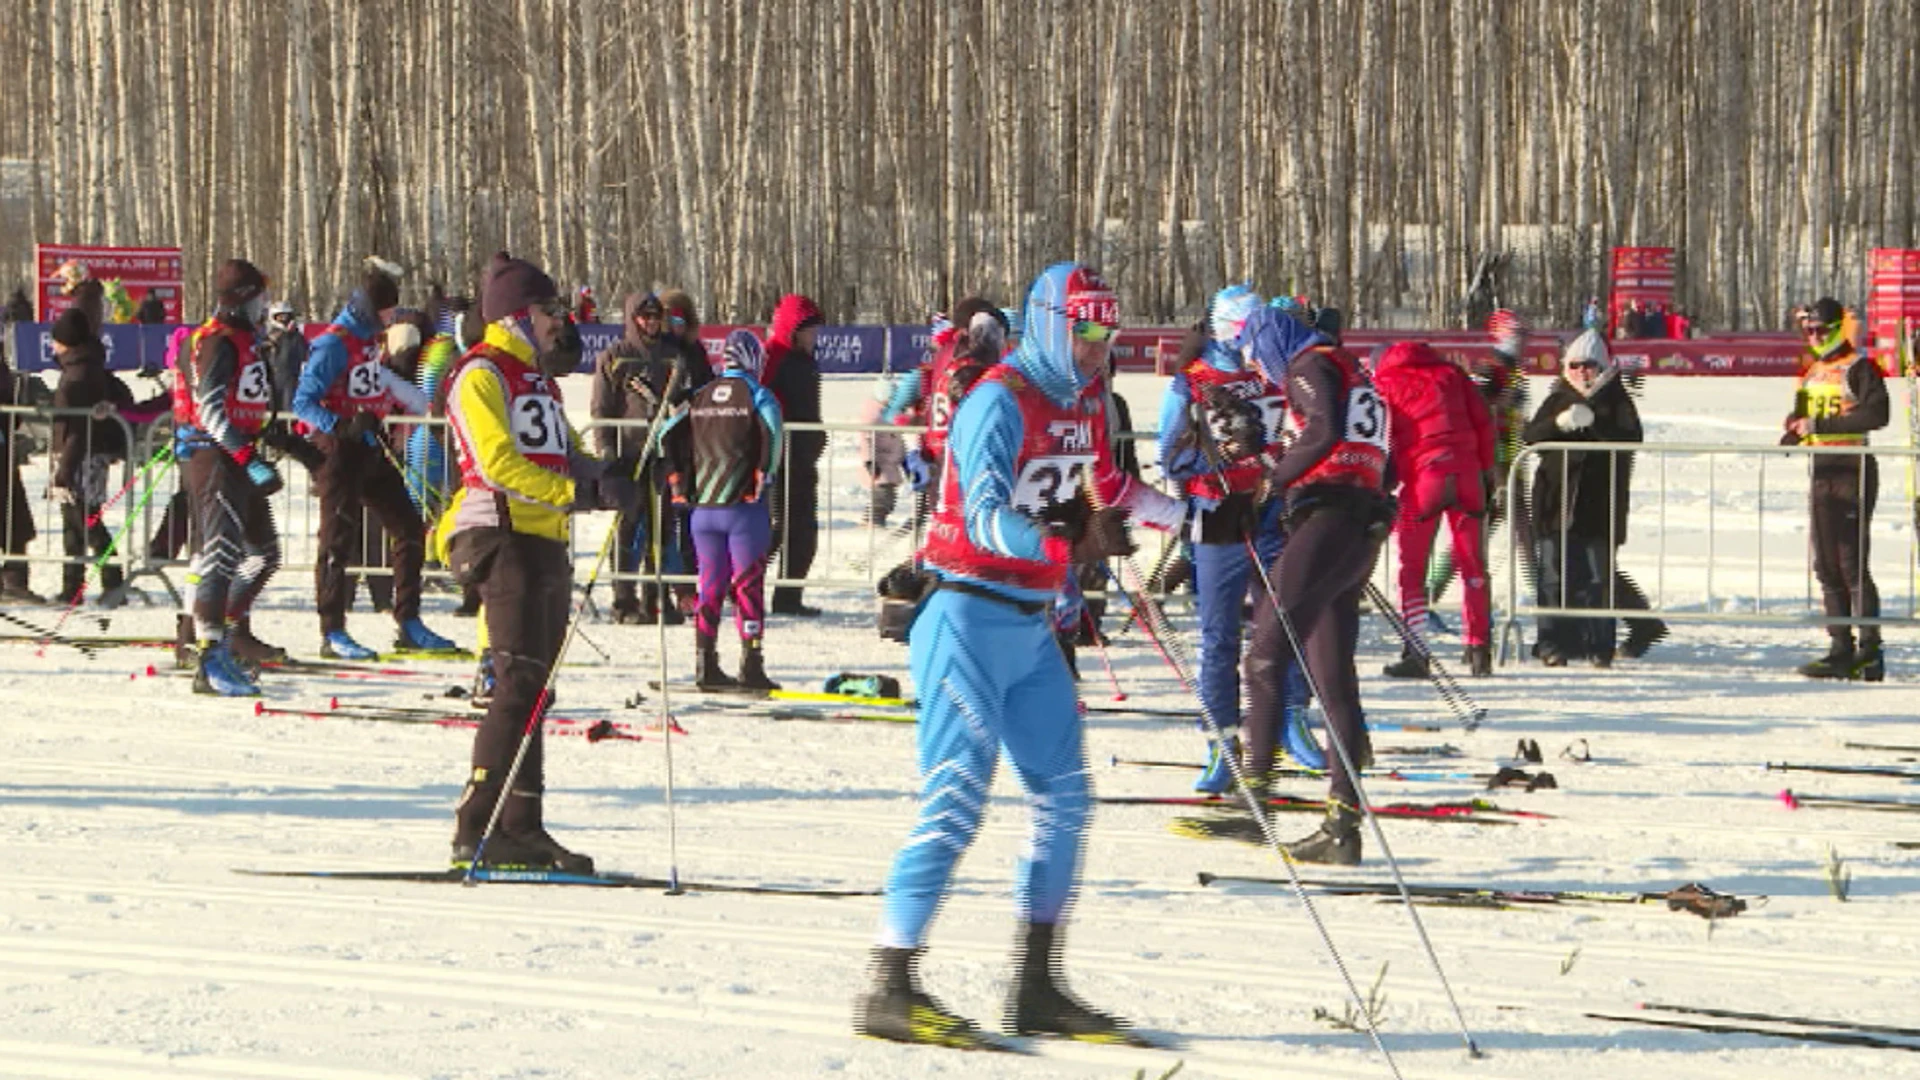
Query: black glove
{"type": "Point", "coordinates": [1104, 536]}
{"type": "Point", "coordinates": [1237, 428]}
{"type": "Point", "coordinates": [357, 427]}
{"type": "Point", "coordinates": [1069, 519]}
{"type": "Point", "coordinates": [617, 492]}
{"type": "Point", "coordinates": [586, 494]}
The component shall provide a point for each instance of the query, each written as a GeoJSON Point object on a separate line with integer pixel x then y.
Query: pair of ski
{"type": "Point", "coordinates": [592, 730]}
{"type": "Point", "coordinates": [1505, 777]}
{"type": "Point", "coordinates": [1846, 770]}
{"type": "Point", "coordinates": [1778, 1026]}
{"type": "Point", "coordinates": [1697, 899]}
{"type": "Point", "coordinates": [1796, 801]}
{"type": "Point", "coordinates": [599, 879]}
{"type": "Point", "coordinates": [1233, 823]}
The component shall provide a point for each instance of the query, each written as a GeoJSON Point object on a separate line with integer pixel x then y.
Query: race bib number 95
{"type": "Point", "coordinates": [1046, 481]}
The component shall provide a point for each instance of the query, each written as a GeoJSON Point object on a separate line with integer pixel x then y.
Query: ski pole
{"type": "Point", "coordinates": [1154, 621]}
{"type": "Point", "coordinates": [1100, 640]}
{"type": "Point", "coordinates": [1464, 708]}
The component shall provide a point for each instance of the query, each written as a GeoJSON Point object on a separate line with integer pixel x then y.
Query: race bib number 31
{"type": "Point", "coordinates": [253, 384]}
{"type": "Point", "coordinates": [1366, 417]}
{"type": "Point", "coordinates": [538, 426]}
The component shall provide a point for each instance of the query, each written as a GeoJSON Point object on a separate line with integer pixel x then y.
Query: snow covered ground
{"type": "Point", "coordinates": [129, 948]}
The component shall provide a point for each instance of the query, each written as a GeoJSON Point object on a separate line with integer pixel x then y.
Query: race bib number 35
{"type": "Point", "coordinates": [1045, 481]}
{"type": "Point", "coordinates": [253, 384]}
{"type": "Point", "coordinates": [1366, 417]}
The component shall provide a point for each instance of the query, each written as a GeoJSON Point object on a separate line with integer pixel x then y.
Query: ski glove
{"type": "Point", "coordinates": [918, 469]}
{"type": "Point", "coordinates": [1103, 536]}
{"type": "Point", "coordinates": [263, 476]}
{"type": "Point", "coordinates": [1578, 416]}
{"type": "Point", "coordinates": [616, 492]}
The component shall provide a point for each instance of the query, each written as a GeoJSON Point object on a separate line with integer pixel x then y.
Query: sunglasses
{"type": "Point", "coordinates": [1584, 365]}
{"type": "Point", "coordinates": [555, 307]}
{"type": "Point", "coordinates": [1092, 332]}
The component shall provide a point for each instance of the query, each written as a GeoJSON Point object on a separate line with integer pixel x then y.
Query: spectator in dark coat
{"type": "Point", "coordinates": [794, 378]}
{"type": "Point", "coordinates": [17, 529]}
{"type": "Point", "coordinates": [631, 378]}
{"type": "Point", "coordinates": [86, 449]}
{"type": "Point", "coordinates": [19, 308]}
{"type": "Point", "coordinates": [1580, 501]}
{"type": "Point", "coordinates": [151, 312]}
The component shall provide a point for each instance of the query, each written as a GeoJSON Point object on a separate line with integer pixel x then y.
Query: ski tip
{"type": "Point", "coordinates": [259, 708]}
{"type": "Point", "coordinates": [1787, 797]}
{"type": "Point", "coordinates": [1206, 878]}
{"type": "Point", "coordinates": [333, 703]}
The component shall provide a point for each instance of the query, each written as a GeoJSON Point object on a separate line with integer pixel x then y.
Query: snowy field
{"type": "Point", "coordinates": [130, 948]}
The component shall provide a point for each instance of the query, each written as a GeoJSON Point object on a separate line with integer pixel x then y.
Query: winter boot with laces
{"type": "Point", "coordinates": [1040, 1004]}
{"type": "Point", "coordinates": [898, 1010]}
{"type": "Point", "coordinates": [707, 674]}
{"type": "Point", "coordinates": [1411, 665]}
{"type": "Point", "coordinates": [1336, 842]}
{"type": "Point", "coordinates": [753, 667]}
{"type": "Point", "coordinates": [1869, 664]}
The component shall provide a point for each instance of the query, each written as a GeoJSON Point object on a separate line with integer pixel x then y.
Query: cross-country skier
{"type": "Point", "coordinates": [1443, 456]}
{"type": "Point", "coordinates": [1011, 519]}
{"type": "Point", "coordinates": [723, 456]}
{"type": "Point", "coordinates": [1841, 398]}
{"type": "Point", "coordinates": [345, 390]}
{"type": "Point", "coordinates": [505, 533]}
{"type": "Point", "coordinates": [1333, 472]}
{"type": "Point", "coordinates": [221, 399]}
{"type": "Point", "coordinates": [1213, 431]}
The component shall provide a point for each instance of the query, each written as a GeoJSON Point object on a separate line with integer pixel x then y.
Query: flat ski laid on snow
{"type": "Point", "coordinates": [1776, 1018]}
{"type": "Point", "coordinates": [1698, 899]}
{"type": "Point", "coordinates": [1846, 770]}
{"type": "Point", "coordinates": [1302, 804]}
{"type": "Point", "coordinates": [1836, 1037]}
{"type": "Point", "coordinates": [1796, 801]}
{"type": "Point", "coordinates": [604, 879]}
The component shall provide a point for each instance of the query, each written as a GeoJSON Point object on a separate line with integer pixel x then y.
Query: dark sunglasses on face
{"type": "Point", "coordinates": [1583, 365]}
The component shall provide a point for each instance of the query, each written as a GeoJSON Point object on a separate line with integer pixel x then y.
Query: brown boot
{"type": "Point", "coordinates": [251, 649]}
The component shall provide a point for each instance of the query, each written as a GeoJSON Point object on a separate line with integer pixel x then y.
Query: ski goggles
{"type": "Point", "coordinates": [1092, 332]}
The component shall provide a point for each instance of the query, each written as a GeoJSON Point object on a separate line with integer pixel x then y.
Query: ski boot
{"type": "Point", "coordinates": [898, 1010]}
{"type": "Point", "coordinates": [1479, 661]}
{"type": "Point", "coordinates": [337, 645]}
{"type": "Point", "coordinates": [1217, 777]}
{"type": "Point", "coordinates": [1336, 842]}
{"type": "Point", "coordinates": [530, 850]}
{"type": "Point", "coordinates": [1411, 665]}
{"type": "Point", "coordinates": [218, 674]}
{"type": "Point", "coordinates": [753, 667]}
{"type": "Point", "coordinates": [415, 637]}
{"type": "Point", "coordinates": [1869, 664]}
{"type": "Point", "coordinates": [481, 695]}
{"type": "Point", "coordinates": [1837, 664]}
{"type": "Point", "coordinates": [707, 674]}
{"type": "Point", "coordinates": [249, 649]}
{"type": "Point", "coordinates": [1040, 1004]}
{"type": "Point", "coordinates": [1642, 634]}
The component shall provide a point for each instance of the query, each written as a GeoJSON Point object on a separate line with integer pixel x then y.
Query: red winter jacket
{"type": "Point", "coordinates": [1439, 421]}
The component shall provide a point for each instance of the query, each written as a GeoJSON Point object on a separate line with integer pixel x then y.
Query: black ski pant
{"type": "Point", "coordinates": [83, 536]}
{"type": "Point", "coordinates": [525, 584]}
{"type": "Point", "coordinates": [1319, 576]}
{"type": "Point", "coordinates": [355, 475]}
{"type": "Point", "coordinates": [238, 547]}
{"type": "Point", "coordinates": [796, 529]}
{"type": "Point", "coordinates": [1840, 506]}
{"type": "Point", "coordinates": [1575, 572]}
{"type": "Point", "coordinates": [370, 549]}
{"type": "Point", "coordinates": [170, 536]}
{"type": "Point", "coordinates": [18, 531]}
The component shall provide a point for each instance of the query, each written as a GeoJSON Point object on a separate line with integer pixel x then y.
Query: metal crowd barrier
{"type": "Point", "coordinates": [61, 531]}
{"type": "Point", "coordinates": [1746, 563]}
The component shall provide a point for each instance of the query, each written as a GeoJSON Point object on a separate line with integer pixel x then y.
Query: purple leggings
{"type": "Point", "coordinates": [732, 543]}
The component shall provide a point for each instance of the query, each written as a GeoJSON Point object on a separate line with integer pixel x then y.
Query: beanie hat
{"type": "Point", "coordinates": [513, 285]}
{"type": "Point", "coordinates": [965, 310]}
{"type": "Point", "coordinates": [1328, 320]}
{"type": "Point", "coordinates": [236, 282]}
{"type": "Point", "coordinates": [1826, 311]}
{"type": "Point", "coordinates": [743, 352]}
{"type": "Point", "coordinates": [72, 328]}
{"type": "Point", "coordinates": [381, 284]}
{"type": "Point", "coordinates": [679, 302]}
{"type": "Point", "coordinates": [1588, 346]}
{"type": "Point", "coordinates": [649, 305]}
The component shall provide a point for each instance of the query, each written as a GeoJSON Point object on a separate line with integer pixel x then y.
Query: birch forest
{"type": "Point", "coordinates": [885, 156]}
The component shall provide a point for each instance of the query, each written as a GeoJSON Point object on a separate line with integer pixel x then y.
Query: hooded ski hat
{"type": "Point", "coordinates": [1589, 347]}
{"type": "Point", "coordinates": [1272, 338]}
{"type": "Point", "coordinates": [1227, 315]}
{"type": "Point", "coordinates": [743, 352]}
{"type": "Point", "coordinates": [1064, 294]}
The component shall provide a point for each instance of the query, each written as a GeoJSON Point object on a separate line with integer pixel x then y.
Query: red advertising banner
{"type": "Point", "coordinates": [1893, 301]}
{"type": "Point", "coordinates": [1642, 274]}
{"type": "Point", "coordinates": [138, 270]}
